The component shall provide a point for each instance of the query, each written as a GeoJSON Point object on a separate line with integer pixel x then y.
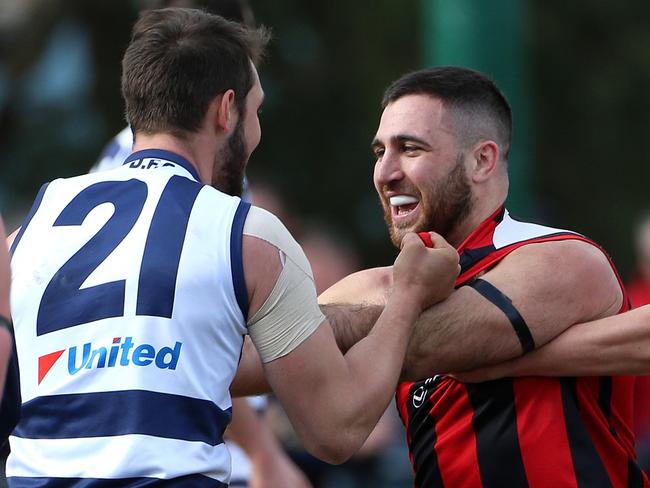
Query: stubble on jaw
{"type": "Point", "coordinates": [443, 206]}
{"type": "Point", "coordinates": [229, 164]}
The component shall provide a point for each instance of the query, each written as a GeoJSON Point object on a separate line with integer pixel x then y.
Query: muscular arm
{"type": "Point", "coordinates": [353, 305]}
{"type": "Point", "coordinates": [334, 401]}
{"type": "Point", "coordinates": [553, 285]}
{"type": "Point", "coordinates": [610, 346]}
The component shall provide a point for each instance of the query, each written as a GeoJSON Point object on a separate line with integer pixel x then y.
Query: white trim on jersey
{"type": "Point", "coordinates": [105, 457]}
{"type": "Point", "coordinates": [510, 231]}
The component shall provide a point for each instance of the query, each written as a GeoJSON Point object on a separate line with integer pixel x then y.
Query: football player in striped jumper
{"type": "Point", "coordinates": [258, 460]}
{"type": "Point", "coordinates": [442, 165]}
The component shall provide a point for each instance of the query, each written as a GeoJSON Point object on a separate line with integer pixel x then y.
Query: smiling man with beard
{"type": "Point", "coordinates": [441, 165]}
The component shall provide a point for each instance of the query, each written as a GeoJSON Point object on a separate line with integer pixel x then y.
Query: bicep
{"type": "Point", "coordinates": [369, 286]}
{"type": "Point", "coordinates": [295, 373]}
{"type": "Point", "coordinates": [555, 285]}
{"type": "Point", "coordinates": [551, 285]}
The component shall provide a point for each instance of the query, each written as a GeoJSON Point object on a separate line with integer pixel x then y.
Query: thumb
{"type": "Point", "coordinates": [411, 239]}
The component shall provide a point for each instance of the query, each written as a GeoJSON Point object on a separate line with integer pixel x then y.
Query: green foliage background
{"type": "Point", "coordinates": [329, 62]}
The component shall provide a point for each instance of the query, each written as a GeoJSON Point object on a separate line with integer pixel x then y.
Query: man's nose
{"type": "Point", "coordinates": [389, 169]}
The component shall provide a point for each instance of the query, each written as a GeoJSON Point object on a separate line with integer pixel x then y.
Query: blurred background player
{"type": "Point", "coordinates": [638, 289]}
{"type": "Point", "coordinates": [6, 337]}
{"type": "Point", "coordinates": [9, 381]}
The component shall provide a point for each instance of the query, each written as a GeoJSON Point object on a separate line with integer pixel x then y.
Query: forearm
{"type": "Point", "coordinates": [615, 345]}
{"type": "Point", "coordinates": [375, 362]}
{"type": "Point", "coordinates": [351, 323]}
{"type": "Point", "coordinates": [451, 336]}
{"type": "Point", "coordinates": [334, 418]}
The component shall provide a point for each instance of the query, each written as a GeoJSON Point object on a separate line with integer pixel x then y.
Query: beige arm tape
{"type": "Point", "coordinates": [290, 314]}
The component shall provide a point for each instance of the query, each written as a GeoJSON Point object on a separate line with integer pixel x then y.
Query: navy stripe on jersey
{"type": "Point", "coordinates": [166, 155]}
{"type": "Point", "coordinates": [469, 257]}
{"type": "Point", "coordinates": [422, 432]}
{"type": "Point", "coordinates": [113, 413]}
{"type": "Point", "coordinates": [589, 468]}
{"type": "Point", "coordinates": [159, 269]}
{"type": "Point", "coordinates": [30, 215]}
{"type": "Point", "coordinates": [190, 481]}
{"type": "Point", "coordinates": [495, 425]}
{"type": "Point", "coordinates": [605, 398]}
{"type": "Point", "coordinates": [236, 261]}
{"type": "Point", "coordinates": [238, 483]}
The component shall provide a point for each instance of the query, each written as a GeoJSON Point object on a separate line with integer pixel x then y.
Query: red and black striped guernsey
{"type": "Point", "coordinates": [521, 432]}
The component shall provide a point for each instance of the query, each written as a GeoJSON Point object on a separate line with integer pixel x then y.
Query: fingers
{"type": "Point", "coordinates": [438, 241]}
{"type": "Point", "coordinates": [429, 239]}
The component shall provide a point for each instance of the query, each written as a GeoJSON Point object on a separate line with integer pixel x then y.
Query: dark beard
{"type": "Point", "coordinates": [229, 165]}
{"type": "Point", "coordinates": [443, 205]}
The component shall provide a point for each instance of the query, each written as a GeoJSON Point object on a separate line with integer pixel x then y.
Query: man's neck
{"type": "Point", "coordinates": [486, 199]}
{"type": "Point", "coordinates": [476, 217]}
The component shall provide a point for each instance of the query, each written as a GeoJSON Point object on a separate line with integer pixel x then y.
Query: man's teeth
{"type": "Point", "coordinates": [399, 200]}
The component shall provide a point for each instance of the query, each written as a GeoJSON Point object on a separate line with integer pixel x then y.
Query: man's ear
{"type": "Point", "coordinates": [485, 160]}
{"type": "Point", "coordinates": [225, 110]}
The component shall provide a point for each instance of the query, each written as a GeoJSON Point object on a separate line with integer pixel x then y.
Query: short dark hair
{"type": "Point", "coordinates": [178, 60]}
{"type": "Point", "coordinates": [473, 99]}
{"type": "Point", "coordinates": [235, 10]}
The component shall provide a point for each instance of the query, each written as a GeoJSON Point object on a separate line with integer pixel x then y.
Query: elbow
{"type": "Point", "coordinates": [332, 447]}
{"type": "Point", "coordinates": [330, 454]}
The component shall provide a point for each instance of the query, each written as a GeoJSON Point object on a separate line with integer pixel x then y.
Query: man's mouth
{"type": "Point", "coordinates": [402, 205]}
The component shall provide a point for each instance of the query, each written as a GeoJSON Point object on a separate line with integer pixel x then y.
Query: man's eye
{"type": "Point", "coordinates": [379, 152]}
{"type": "Point", "coordinates": [408, 148]}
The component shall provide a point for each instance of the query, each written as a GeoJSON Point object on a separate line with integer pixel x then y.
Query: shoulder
{"type": "Point", "coordinates": [575, 255]}
{"type": "Point", "coordinates": [264, 226]}
{"type": "Point", "coordinates": [553, 250]}
{"type": "Point", "coordinates": [572, 268]}
{"type": "Point", "coordinates": [267, 245]}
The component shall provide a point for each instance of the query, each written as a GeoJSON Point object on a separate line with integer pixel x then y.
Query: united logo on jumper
{"type": "Point", "coordinates": [107, 357]}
